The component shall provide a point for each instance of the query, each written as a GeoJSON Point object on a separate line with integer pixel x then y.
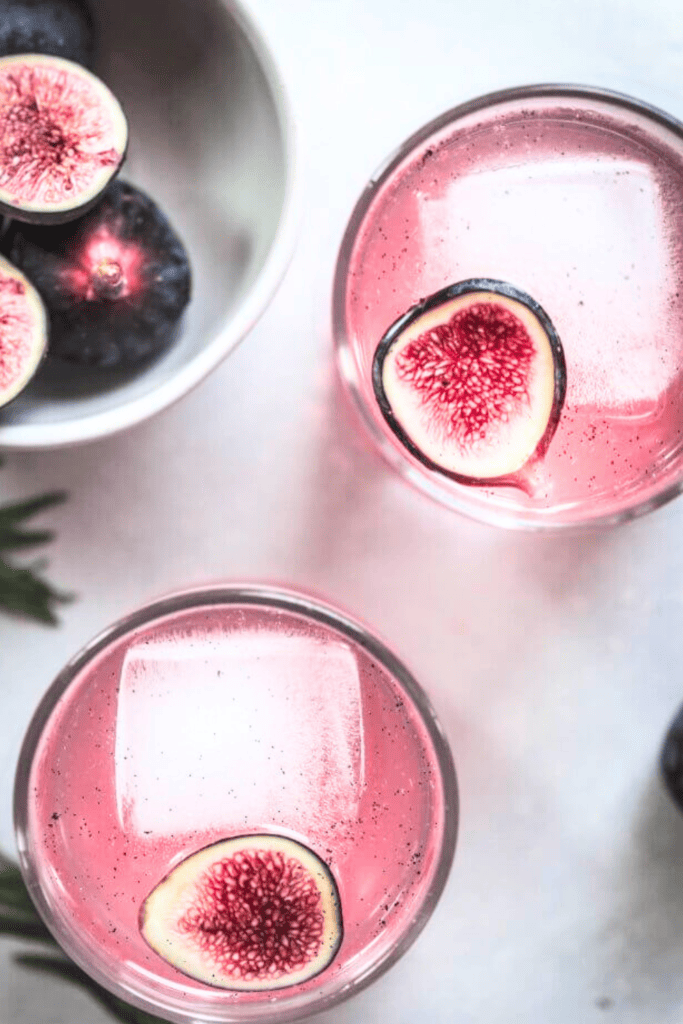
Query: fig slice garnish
{"type": "Point", "coordinates": [63, 137]}
{"type": "Point", "coordinates": [23, 331]}
{"type": "Point", "coordinates": [250, 913]}
{"type": "Point", "coordinates": [472, 381]}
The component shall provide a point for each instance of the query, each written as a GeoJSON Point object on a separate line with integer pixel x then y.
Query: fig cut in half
{"type": "Point", "coordinates": [63, 137]}
{"type": "Point", "coordinates": [23, 331]}
{"type": "Point", "coordinates": [472, 381]}
{"type": "Point", "coordinates": [254, 912]}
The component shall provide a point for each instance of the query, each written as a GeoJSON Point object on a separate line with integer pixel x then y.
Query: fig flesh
{"type": "Point", "coordinates": [23, 331]}
{"type": "Point", "coordinates": [63, 137]}
{"type": "Point", "coordinates": [63, 28]}
{"type": "Point", "coordinates": [115, 282]}
{"type": "Point", "coordinates": [251, 913]}
{"type": "Point", "coordinates": [472, 381]}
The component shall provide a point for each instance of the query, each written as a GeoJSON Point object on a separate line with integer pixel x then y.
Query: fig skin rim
{"type": "Point", "coordinates": [252, 836]}
{"type": "Point", "coordinates": [453, 291]}
{"type": "Point", "coordinates": [48, 219]}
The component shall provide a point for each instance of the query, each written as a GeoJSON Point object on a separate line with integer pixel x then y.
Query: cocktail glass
{"type": "Point", "coordinates": [232, 711]}
{"type": "Point", "coordinates": [571, 195]}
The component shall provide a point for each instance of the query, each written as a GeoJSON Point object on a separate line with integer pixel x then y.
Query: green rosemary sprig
{"type": "Point", "coordinates": [67, 969]}
{"type": "Point", "coordinates": [23, 590]}
{"type": "Point", "coordinates": [19, 919]}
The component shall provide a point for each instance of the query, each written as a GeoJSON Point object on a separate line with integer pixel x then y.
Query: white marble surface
{"type": "Point", "coordinates": [554, 662]}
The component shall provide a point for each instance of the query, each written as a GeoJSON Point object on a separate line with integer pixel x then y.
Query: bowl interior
{"type": "Point", "coordinates": [209, 143]}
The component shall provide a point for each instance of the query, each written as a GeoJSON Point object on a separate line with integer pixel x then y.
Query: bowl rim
{"type": "Point", "coordinates": [65, 433]}
{"type": "Point", "coordinates": [308, 605]}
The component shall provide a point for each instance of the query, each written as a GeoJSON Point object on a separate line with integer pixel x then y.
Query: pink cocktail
{"type": "Point", "coordinates": [572, 196]}
{"type": "Point", "coordinates": [235, 712]}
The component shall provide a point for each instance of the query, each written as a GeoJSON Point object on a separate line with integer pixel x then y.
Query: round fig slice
{"type": "Point", "coordinates": [63, 137]}
{"type": "Point", "coordinates": [472, 381]}
{"type": "Point", "coordinates": [115, 282]}
{"type": "Point", "coordinates": [252, 913]}
{"type": "Point", "coordinates": [23, 331]}
{"type": "Point", "coordinates": [63, 28]}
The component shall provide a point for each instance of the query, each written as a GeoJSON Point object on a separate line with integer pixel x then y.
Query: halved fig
{"type": "Point", "coordinates": [115, 282]}
{"type": "Point", "coordinates": [254, 912]}
{"type": "Point", "coordinates": [23, 331]}
{"type": "Point", "coordinates": [63, 137]}
{"type": "Point", "coordinates": [472, 381]}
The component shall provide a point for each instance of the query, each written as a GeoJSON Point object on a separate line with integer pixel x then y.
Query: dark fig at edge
{"type": "Point", "coordinates": [671, 760]}
{"type": "Point", "coordinates": [472, 381]}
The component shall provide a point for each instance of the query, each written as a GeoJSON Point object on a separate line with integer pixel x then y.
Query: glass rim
{"type": "Point", "coordinates": [296, 601]}
{"type": "Point", "coordinates": [346, 364]}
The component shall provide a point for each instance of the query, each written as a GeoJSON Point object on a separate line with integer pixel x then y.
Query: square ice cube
{"type": "Point", "coordinates": [587, 234]}
{"type": "Point", "coordinates": [238, 730]}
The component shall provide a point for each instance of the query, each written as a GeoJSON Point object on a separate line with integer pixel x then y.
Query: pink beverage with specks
{"type": "Point", "coordinates": [571, 196]}
{"type": "Point", "coordinates": [212, 719]}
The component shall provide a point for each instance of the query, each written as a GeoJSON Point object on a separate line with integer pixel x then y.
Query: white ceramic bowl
{"type": "Point", "coordinates": [211, 140]}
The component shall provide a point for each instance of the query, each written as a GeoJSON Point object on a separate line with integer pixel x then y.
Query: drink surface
{"type": "Point", "coordinates": [575, 200]}
{"type": "Point", "coordinates": [221, 721]}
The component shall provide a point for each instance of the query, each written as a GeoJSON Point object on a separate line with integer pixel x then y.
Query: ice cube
{"type": "Point", "coordinates": [588, 236]}
{"type": "Point", "coordinates": [234, 731]}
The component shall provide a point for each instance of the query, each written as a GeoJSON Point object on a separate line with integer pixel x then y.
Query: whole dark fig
{"type": "Point", "coordinates": [63, 28]}
{"type": "Point", "coordinates": [115, 282]}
